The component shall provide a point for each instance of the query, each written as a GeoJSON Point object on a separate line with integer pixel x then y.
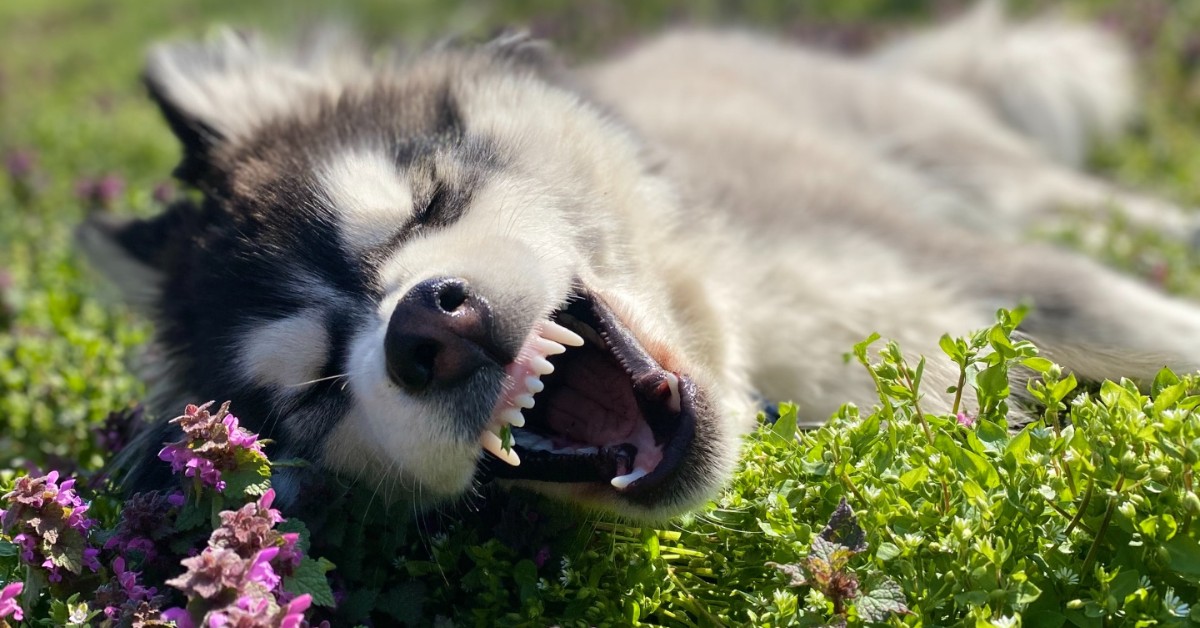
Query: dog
{"type": "Point", "coordinates": [413, 271]}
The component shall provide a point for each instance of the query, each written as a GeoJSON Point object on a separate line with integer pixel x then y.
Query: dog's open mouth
{"type": "Point", "coordinates": [586, 403]}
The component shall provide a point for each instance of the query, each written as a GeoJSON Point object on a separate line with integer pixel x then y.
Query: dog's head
{"type": "Point", "coordinates": [389, 265]}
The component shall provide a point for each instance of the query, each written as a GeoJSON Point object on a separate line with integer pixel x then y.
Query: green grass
{"type": "Point", "coordinates": [1045, 526]}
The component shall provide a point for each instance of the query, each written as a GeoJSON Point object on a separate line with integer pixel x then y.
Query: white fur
{"type": "Point", "coordinates": [1062, 83]}
{"type": "Point", "coordinates": [285, 354]}
{"type": "Point", "coordinates": [370, 196]}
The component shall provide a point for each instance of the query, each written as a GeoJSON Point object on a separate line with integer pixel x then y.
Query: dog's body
{"type": "Point", "coordinates": [373, 273]}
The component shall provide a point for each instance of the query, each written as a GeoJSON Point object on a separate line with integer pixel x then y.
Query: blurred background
{"type": "Point", "coordinates": [77, 134]}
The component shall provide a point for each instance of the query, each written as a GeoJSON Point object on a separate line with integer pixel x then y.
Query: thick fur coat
{"type": "Point", "coordinates": [388, 256]}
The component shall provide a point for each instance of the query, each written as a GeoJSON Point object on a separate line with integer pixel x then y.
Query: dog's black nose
{"type": "Point", "coordinates": [440, 333]}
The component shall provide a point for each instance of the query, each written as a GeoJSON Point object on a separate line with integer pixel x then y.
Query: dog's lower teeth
{"type": "Point", "coordinates": [622, 481]}
{"type": "Point", "coordinates": [534, 385]}
{"type": "Point", "coordinates": [524, 401]}
{"type": "Point", "coordinates": [492, 444]}
{"type": "Point", "coordinates": [675, 403]}
{"type": "Point", "coordinates": [541, 366]}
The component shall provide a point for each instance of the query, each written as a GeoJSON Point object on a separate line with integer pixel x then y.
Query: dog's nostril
{"type": "Point", "coordinates": [451, 296]}
{"type": "Point", "coordinates": [411, 361]}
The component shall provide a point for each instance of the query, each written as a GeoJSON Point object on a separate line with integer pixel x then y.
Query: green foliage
{"type": "Point", "coordinates": [1084, 516]}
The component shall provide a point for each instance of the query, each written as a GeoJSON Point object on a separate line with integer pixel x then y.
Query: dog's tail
{"type": "Point", "coordinates": [1063, 83]}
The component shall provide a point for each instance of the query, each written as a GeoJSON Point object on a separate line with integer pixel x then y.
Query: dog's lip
{"type": "Point", "coordinates": [666, 403]}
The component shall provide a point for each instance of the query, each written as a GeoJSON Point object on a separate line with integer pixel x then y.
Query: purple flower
{"type": "Point", "coordinates": [119, 429]}
{"type": "Point", "coordinates": [108, 188]}
{"type": "Point", "coordinates": [542, 556]}
{"type": "Point", "coordinates": [8, 601]}
{"type": "Point", "coordinates": [48, 522]}
{"type": "Point", "coordinates": [212, 444]}
{"type": "Point", "coordinates": [142, 522]}
{"type": "Point", "coordinates": [965, 419]}
{"type": "Point", "coordinates": [19, 164]}
{"type": "Point", "coordinates": [164, 193]}
{"type": "Point", "coordinates": [100, 193]}
{"type": "Point", "coordinates": [210, 573]}
{"type": "Point", "coordinates": [124, 596]}
{"type": "Point", "coordinates": [180, 616]}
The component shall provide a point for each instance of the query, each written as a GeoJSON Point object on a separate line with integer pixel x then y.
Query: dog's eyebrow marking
{"type": "Point", "coordinates": [369, 196]}
{"type": "Point", "coordinates": [285, 352]}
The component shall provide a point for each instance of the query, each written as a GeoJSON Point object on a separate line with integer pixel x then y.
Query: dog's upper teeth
{"type": "Point", "coordinates": [551, 330]}
{"type": "Point", "coordinates": [548, 347]}
{"type": "Point", "coordinates": [622, 481]}
{"type": "Point", "coordinates": [513, 417]}
{"type": "Point", "coordinates": [491, 443]}
{"type": "Point", "coordinates": [541, 366]}
{"type": "Point", "coordinates": [534, 385]}
{"type": "Point", "coordinates": [583, 330]}
{"type": "Point", "coordinates": [675, 403]}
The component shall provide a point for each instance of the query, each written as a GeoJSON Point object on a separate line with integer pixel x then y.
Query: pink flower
{"type": "Point", "coordinates": [293, 613]}
{"type": "Point", "coordinates": [8, 601]}
{"type": "Point", "coordinates": [260, 570]}
{"type": "Point", "coordinates": [965, 419]}
{"type": "Point", "coordinates": [240, 437]}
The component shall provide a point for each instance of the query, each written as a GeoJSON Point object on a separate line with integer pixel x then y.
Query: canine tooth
{"type": "Point", "coordinates": [675, 403]}
{"type": "Point", "coordinates": [549, 347]}
{"type": "Point", "coordinates": [541, 366]}
{"type": "Point", "coordinates": [524, 401]}
{"type": "Point", "coordinates": [491, 442]}
{"type": "Point", "coordinates": [622, 481]}
{"type": "Point", "coordinates": [587, 451]}
{"type": "Point", "coordinates": [513, 417]}
{"type": "Point", "coordinates": [534, 385]}
{"type": "Point", "coordinates": [553, 331]}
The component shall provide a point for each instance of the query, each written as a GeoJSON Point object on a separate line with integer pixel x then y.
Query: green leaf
{"type": "Point", "coordinates": [1041, 365]}
{"type": "Point", "coordinates": [913, 477]}
{"type": "Point", "coordinates": [883, 598]}
{"type": "Point", "coordinates": [786, 425]}
{"type": "Point", "coordinates": [191, 515]}
{"type": "Point", "coordinates": [1165, 378]}
{"type": "Point", "coordinates": [969, 462]}
{"type": "Point", "coordinates": [310, 578]}
{"type": "Point", "coordinates": [1184, 554]}
{"type": "Point", "coordinates": [248, 481]}
{"type": "Point", "coordinates": [404, 603]}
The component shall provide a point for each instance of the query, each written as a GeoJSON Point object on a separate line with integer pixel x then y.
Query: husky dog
{"type": "Point", "coordinates": [393, 262]}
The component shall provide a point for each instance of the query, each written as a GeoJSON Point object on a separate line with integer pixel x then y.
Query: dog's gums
{"type": "Point", "coordinates": [607, 411]}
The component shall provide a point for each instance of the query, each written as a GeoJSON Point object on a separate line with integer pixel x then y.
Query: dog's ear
{"type": "Point", "coordinates": [521, 48]}
{"type": "Point", "coordinates": [223, 89]}
{"type": "Point", "coordinates": [135, 253]}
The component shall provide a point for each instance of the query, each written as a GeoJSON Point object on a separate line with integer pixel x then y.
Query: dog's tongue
{"type": "Point", "coordinates": [595, 405]}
